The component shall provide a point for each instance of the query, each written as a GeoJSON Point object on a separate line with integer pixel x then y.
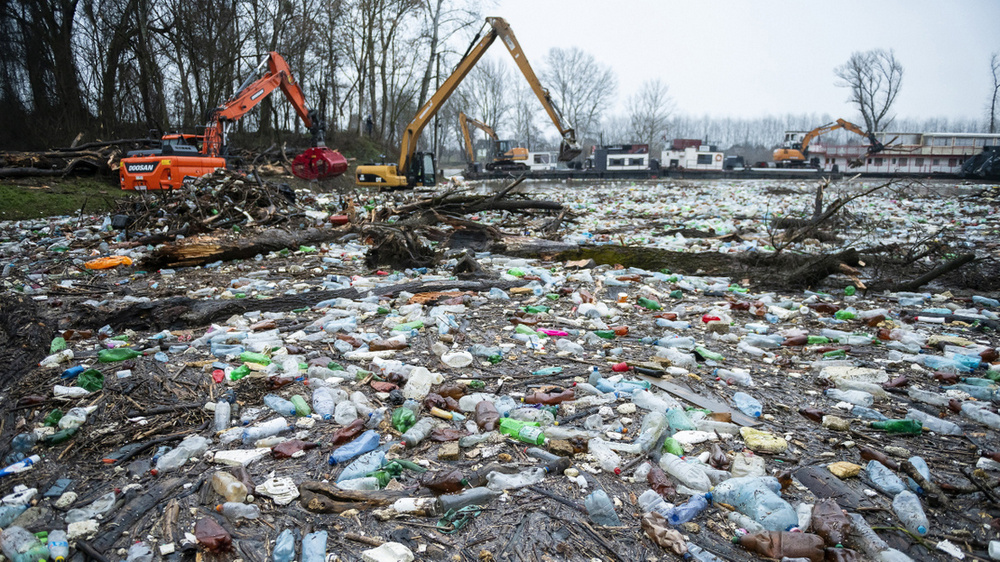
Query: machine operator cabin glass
{"type": "Point", "coordinates": [428, 170]}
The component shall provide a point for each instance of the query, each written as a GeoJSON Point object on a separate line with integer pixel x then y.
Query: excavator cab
{"type": "Point", "coordinates": [422, 170]}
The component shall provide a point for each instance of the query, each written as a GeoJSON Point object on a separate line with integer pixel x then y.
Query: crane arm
{"type": "Point", "coordinates": [569, 148]}
{"type": "Point", "coordinates": [875, 146]}
{"type": "Point", "coordinates": [498, 28]}
{"type": "Point", "coordinates": [251, 94]}
{"type": "Point", "coordinates": [463, 122]}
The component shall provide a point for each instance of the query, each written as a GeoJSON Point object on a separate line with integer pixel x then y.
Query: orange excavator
{"type": "Point", "coordinates": [795, 152]}
{"type": "Point", "coordinates": [504, 155]}
{"type": "Point", "coordinates": [183, 156]}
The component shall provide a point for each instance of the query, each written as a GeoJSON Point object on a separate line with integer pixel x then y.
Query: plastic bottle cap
{"type": "Point", "coordinates": [618, 470]}
{"type": "Point", "coordinates": [921, 530]}
{"type": "Point", "coordinates": [218, 508]}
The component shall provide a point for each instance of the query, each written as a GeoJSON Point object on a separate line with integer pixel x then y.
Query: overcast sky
{"type": "Point", "coordinates": [749, 59]}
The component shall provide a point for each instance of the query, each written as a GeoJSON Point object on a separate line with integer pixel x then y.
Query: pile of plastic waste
{"type": "Point", "coordinates": [580, 412]}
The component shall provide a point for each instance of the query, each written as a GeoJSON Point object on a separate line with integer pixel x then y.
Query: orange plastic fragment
{"type": "Point", "coordinates": [108, 262]}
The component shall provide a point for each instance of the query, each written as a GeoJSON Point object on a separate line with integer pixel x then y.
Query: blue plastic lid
{"type": "Point", "coordinates": [921, 530]}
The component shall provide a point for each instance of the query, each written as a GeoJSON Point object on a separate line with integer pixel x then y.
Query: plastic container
{"type": "Point", "coordinates": [907, 507]}
{"type": "Point", "coordinates": [981, 415]}
{"type": "Point", "coordinates": [472, 496]}
{"type": "Point", "coordinates": [229, 487]}
{"type": "Point", "coordinates": [266, 429]}
{"type": "Point", "coordinates": [366, 442]}
{"type": "Point", "coordinates": [758, 498]}
{"type": "Point", "coordinates": [314, 547]}
{"type": "Point", "coordinates": [601, 509]}
{"type": "Point", "coordinates": [280, 405]}
{"type": "Point", "coordinates": [685, 473]}
{"type": "Point", "coordinates": [223, 411]}
{"type": "Point", "coordinates": [608, 460]}
{"type": "Point", "coordinates": [322, 402]}
{"type": "Point", "coordinates": [58, 545]}
{"type": "Point", "coordinates": [191, 446]}
{"type": "Point", "coordinates": [498, 481]}
{"type": "Point", "coordinates": [748, 404]}
{"type": "Point", "coordinates": [284, 547]}
{"type": "Point", "coordinates": [420, 430]}
{"type": "Point", "coordinates": [363, 465]}
{"type": "Point", "coordinates": [236, 511]}
{"type": "Point", "coordinates": [884, 479]}
{"type": "Point", "coordinates": [934, 423]}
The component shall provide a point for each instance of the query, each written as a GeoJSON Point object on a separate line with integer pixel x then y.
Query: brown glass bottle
{"type": "Point", "coordinates": [444, 481]}
{"type": "Point", "coordinates": [869, 454]}
{"type": "Point", "coordinates": [795, 341]}
{"type": "Point", "coordinates": [812, 414]}
{"type": "Point", "coordinates": [286, 449]}
{"type": "Point", "coordinates": [782, 544]}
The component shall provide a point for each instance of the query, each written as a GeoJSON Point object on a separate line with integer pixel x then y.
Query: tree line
{"type": "Point", "coordinates": [112, 69]}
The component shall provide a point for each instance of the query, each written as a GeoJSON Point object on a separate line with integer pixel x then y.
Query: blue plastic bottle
{"type": "Point", "coordinates": [284, 547]}
{"type": "Point", "coordinates": [748, 404]}
{"type": "Point", "coordinates": [689, 510]}
{"type": "Point", "coordinates": [363, 465]}
{"type": "Point", "coordinates": [314, 547]}
{"type": "Point", "coordinates": [368, 441]}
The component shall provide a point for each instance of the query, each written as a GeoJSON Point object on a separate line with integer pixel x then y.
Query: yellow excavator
{"type": "Point", "coordinates": [504, 155]}
{"type": "Point", "coordinates": [795, 152]}
{"type": "Point", "coordinates": [418, 168]}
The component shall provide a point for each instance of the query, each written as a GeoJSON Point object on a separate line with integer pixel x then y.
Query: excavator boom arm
{"type": "Point", "coordinates": [278, 76]}
{"type": "Point", "coordinates": [464, 120]}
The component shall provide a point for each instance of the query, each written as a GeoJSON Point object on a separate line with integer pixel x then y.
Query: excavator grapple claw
{"type": "Point", "coordinates": [319, 162]}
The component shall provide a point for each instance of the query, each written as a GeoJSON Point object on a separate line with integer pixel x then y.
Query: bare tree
{"type": "Point", "coordinates": [484, 93]}
{"type": "Point", "coordinates": [995, 70]}
{"type": "Point", "coordinates": [874, 78]}
{"type": "Point", "coordinates": [444, 19]}
{"type": "Point", "coordinates": [581, 86]}
{"type": "Point", "coordinates": [649, 112]}
{"type": "Point", "coordinates": [525, 111]}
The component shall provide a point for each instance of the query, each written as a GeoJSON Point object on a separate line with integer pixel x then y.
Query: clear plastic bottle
{"type": "Point", "coordinates": [266, 429]}
{"type": "Point", "coordinates": [229, 487]}
{"type": "Point", "coordinates": [601, 509]}
{"type": "Point", "coordinates": [690, 509]}
{"type": "Point", "coordinates": [58, 545]}
{"type": "Point", "coordinates": [679, 420]}
{"type": "Point", "coordinates": [758, 498]}
{"type": "Point", "coordinates": [345, 412]}
{"type": "Point", "coordinates": [236, 510]}
{"type": "Point", "coordinates": [314, 547]}
{"type": "Point", "coordinates": [499, 481]}
{"type": "Point", "coordinates": [654, 425]}
{"type": "Point", "coordinates": [98, 507]}
{"type": "Point", "coordinates": [685, 473]}
{"type": "Point", "coordinates": [8, 513]}
{"type": "Point", "coordinates": [223, 411]}
{"type": "Point", "coordinates": [934, 423]}
{"type": "Point", "coordinates": [856, 397]}
{"type": "Point", "coordinates": [323, 402]}
{"type": "Point", "coordinates": [361, 403]}
{"type": "Point", "coordinates": [764, 341]}
{"type": "Point", "coordinates": [419, 431]}
{"type": "Point", "coordinates": [284, 547]}
{"type": "Point", "coordinates": [473, 496]}
{"type": "Point", "coordinates": [73, 419]}
{"type": "Point", "coordinates": [735, 376]}
{"type": "Point", "coordinates": [653, 402]}
{"type": "Point", "coordinates": [932, 398]}
{"type": "Point", "coordinates": [699, 554]}
{"type": "Point", "coordinates": [884, 479]}
{"type": "Point", "coordinates": [981, 415]}
{"type": "Point", "coordinates": [140, 552]}
{"type": "Point", "coordinates": [606, 458]}
{"type": "Point", "coordinates": [365, 483]}
{"type": "Point", "coordinates": [364, 464]}
{"type": "Point", "coordinates": [420, 382]}
{"type": "Point", "coordinates": [17, 543]}
{"type": "Point", "coordinates": [907, 507]}
{"type": "Point", "coordinates": [280, 405]}
{"type": "Point", "coordinates": [747, 404]}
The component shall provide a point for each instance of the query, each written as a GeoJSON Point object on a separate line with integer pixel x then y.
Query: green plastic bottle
{"type": "Point", "coordinates": [117, 354]}
{"type": "Point", "coordinates": [61, 436]}
{"type": "Point", "coordinates": [835, 353]}
{"type": "Point", "coordinates": [844, 315]}
{"type": "Point", "coordinates": [515, 272]}
{"type": "Point", "coordinates": [849, 290]}
{"type": "Point", "coordinates": [527, 432]}
{"type": "Point", "coordinates": [53, 418]}
{"type": "Point", "coordinates": [911, 427]}
{"type": "Point", "coordinates": [548, 371]}
{"type": "Point", "coordinates": [676, 294]}
{"type": "Point", "coordinates": [536, 309]}
{"type": "Point", "coordinates": [415, 325]}
{"type": "Point", "coordinates": [605, 334]}
{"type": "Point", "coordinates": [58, 344]}
{"type": "Point", "coordinates": [239, 372]}
{"type": "Point", "coordinates": [91, 380]}
{"type": "Point", "coordinates": [649, 304]}
{"type": "Point", "coordinates": [672, 446]}
{"type": "Point", "coordinates": [403, 419]}
{"type": "Point", "coordinates": [813, 340]}
{"type": "Point", "coordinates": [708, 354]}
{"type": "Point", "coordinates": [252, 357]}
{"type": "Point", "coordinates": [522, 329]}
{"type": "Point", "coordinates": [301, 408]}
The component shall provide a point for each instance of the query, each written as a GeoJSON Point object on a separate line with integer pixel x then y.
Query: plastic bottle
{"type": "Point", "coordinates": [229, 487]}
{"type": "Point", "coordinates": [284, 547]}
{"type": "Point", "coordinates": [323, 402]}
{"type": "Point", "coordinates": [314, 547]}
{"type": "Point", "coordinates": [654, 424]}
{"type": "Point", "coordinates": [266, 429]}
{"type": "Point", "coordinates": [58, 545]}
{"type": "Point", "coordinates": [236, 510]}
{"type": "Point", "coordinates": [608, 460]}
{"type": "Point", "coordinates": [59, 357]}
{"type": "Point", "coordinates": [747, 404]}
{"type": "Point", "coordinates": [368, 441]}
{"type": "Point", "coordinates": [679, 420]}
{"type": "Point", "coordinates": [191, 446]}
{"type": "Point", "coordinates": [8, 513]}
{"type": "Point", "coordinates": [549, 397]}
{"type": "Point", "coordinates": [781, 544]}
{"type": "Point", "coordinates": [758, 498]}
{"type": "Point", "coordinates": [884, 479]}
{"type": "Point", "coordinates": [690, 509]}
{"type": "Point", "coordinates": [911, 427]}
{"type": "Point", "coordinates": [932, 398]}
{"type": "Point", "coordinates": [419, 431]}
{"type": "Point", "coordinates": [857, 397]}
{"type": "Point", "coordinates": [685, 473]}
{"type": "Point", "coordinates": [735, 376]}
{"type": "Point", "coordinates": [934, 423]}
{"type": "Point", "coordinates": [981, 415]}
{"type": "Point", "coordinates": [113, 355]}
{"type": "Point", "coordinates": [907, 507]}
{"type": "Point", "coordinates": [601, 509]}
{"type": "Point", "coordinates": [649, 401]}
{"type": "Point", "coordinates": [499, 481]}
{"type": "Point", "coordinates": [473, 496]}
{"type": "Point", "coordinates": [363, 465]}
{"type": "Point", "coordinates": [699, 554]}
{"type": "Point", "coordinates": [527, 432]}
{"type": "Point", "coordinates": [828, 521]}
{"type": "Point", "coordinates": [19, 545]}
{"type": "Point", "coordinates": [223, 410]}
{"type": "Point", "coordinates": [140, 552]}
{"type": "Point", "coordinates": [345, 412]}
{"type": "Point", "coordinates": [301, 408]}
{"type": "Point", "coordinates": [279, 405]}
